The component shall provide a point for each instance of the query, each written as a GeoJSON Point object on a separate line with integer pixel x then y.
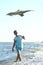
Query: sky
{"type": "Point", "coordinates": [30, 25]}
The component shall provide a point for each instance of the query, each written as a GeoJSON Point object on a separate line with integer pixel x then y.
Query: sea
{"type": "Point", "coordinates": [32, 52]}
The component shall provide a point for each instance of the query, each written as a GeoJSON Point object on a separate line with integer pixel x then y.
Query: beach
{"type": "Point", "coordinates": [38, 60]}
{"type": "Point", "coordinates": [32, 54]}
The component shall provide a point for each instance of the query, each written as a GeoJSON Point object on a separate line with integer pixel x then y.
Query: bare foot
{"type": "Point", "coordinates": [16, 60]}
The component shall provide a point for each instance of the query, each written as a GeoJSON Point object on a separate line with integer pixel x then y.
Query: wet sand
{"type": "Point", "coordinates": [29, 62]}
{"type": "Point", "coordinates": [7, 62]}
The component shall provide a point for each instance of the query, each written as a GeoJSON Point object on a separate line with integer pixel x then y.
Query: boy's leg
{"type": "Point", "coordinates": [18, 56]}
{"type": "Point", "coordinates": [16, 59]}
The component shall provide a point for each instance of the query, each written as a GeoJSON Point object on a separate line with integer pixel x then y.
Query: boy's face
{"type": "Point", "coordinates": [15, 33]}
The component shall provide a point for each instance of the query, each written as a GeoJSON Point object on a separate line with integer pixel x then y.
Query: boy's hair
{"type": "Point", "coordinates": [15, 31]}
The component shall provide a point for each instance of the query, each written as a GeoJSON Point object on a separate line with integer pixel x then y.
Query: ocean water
{"type": "Point", "coordinates": [31, 52]}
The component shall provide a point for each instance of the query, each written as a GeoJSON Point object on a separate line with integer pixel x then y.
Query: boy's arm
{"type": "Point", "coordinates": [13, 45]}
{"type": "Point", "coordinates": [23, 37]}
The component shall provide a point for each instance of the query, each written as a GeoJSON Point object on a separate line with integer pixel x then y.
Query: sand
{"type": "Point", "coordinates": [7, 62]}
{"type": "Point", "coordinates": [29, 62]}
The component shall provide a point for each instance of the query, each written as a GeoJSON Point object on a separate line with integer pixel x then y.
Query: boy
{"type": "Point", "coordinates": [18, 44]}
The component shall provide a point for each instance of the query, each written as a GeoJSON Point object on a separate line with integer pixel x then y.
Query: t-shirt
{"type": "Point", "coordinates": [18, 40]}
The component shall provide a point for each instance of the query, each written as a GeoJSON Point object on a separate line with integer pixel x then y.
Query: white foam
{"type": "Point", "coordinates": [27, 63]}
{"type": "Point", "coordinates": [37, 60]}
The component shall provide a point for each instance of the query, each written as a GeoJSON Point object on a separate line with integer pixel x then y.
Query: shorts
{"type": "Point", "coordinates": [18, 50]}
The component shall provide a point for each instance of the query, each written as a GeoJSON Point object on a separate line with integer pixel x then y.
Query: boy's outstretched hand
{"type": "Point", "coordinates": [23, 37]}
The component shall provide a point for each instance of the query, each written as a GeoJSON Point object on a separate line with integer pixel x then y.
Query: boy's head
{"type": "Point", "coordinates": [15, 32]}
